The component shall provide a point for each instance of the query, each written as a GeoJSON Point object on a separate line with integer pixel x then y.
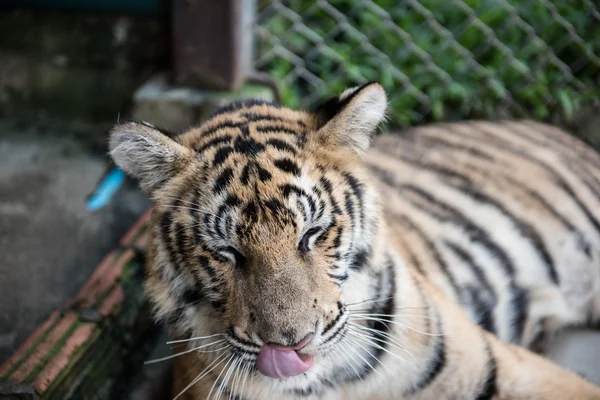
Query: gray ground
{"type": "Point", "coordinates": [50, 242]}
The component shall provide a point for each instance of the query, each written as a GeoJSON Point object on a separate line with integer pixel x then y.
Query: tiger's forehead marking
{"type": "Point", "coordinates": [246, 138]}
{"type": "Point", "coordinates": [249, 120]}
{"type": "Point", "coordinates": [256, 169]}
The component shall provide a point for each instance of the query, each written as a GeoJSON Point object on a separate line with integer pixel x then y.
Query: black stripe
{"type": "Point", "coordinates": [337, 242]}
{"type": "Point", "coordinates": [222, 155]}
{"type": "Point", "coordinates": [192, 296]}
{"type": "Point", "coordinates": [526, 230]}
{"type": "Point", "coordinates": [232, 200]}
{"type": "Point", "coordinates": [434, 366]}
{"type": "Point", "coordinates": [319, 195]}
{"type": "Point", "coordinates": [278, 129]}
{"type": "Point", "coordinates": [208, 225]}
{"type": "Point", "coordinates": [220, 216]}
{"type": "Point", "coordinates": [581, 239]}
{"type": "Point", "coordinates": [555, 176]}
{"type": "Point", "coordinates": [331, 326]}
{"type": "Point", "coordinates": [562, 143]}
{"type": "Point", "coordinates": [489, 388]}
{"type": "Point", "coordinates": [204, 263]}
{"type": "Point", "coordinates": [349, 207]}
{"type": "Point", "coordinates": [520, 308]}
{"type": "Point", "coordinates": [341, 277]}
{"type": "Point", "coordinates": [360, 260]}
{"type": "Point", "coordinates": [588, 179]}
{"type": "Point", "coordinates": [253, 117]}
{"type": "Point", "coordinates": [289, 188]}
{"type": "Point", "coordinates": [433, 250]}
{"type": "Point", "coordinates": [251, 211]}
{"type": "Point", "coordinates": [245, 175]}
{"type": "Point", "coordinates": [166, 220]}
{"type": "Point", "coordinates": [240, 104]}
{"type": "Point", "coordinates": [412, 258]}
{"type": "Point", "coordinates": [263, 174]}
{"type": "Point", "coordinates": [447, 213]}
{"type": "Point", "coordinates": [590, 217]}
{"type": "Point", "coordinates": [482, 294]}
{"type": "Point", "coordinates": [328, 188]}
{"type": "Point", "coordinates": [465, 185]}
{"type": "Point", "coordinates": [287, 165]}
{"type": "Point", "coordinates": [248, 146]}
{"type": "Point", "coordinates": [476, 234]}
{"type": "Point", "coordinates": [213, 142]}
{"type": "Point", "coordinates": [275, 206]}
{"type": "Point", "coordinates": [325, 235]}
{"type": "Point", "coordinates": [543, 202]}
{"type": "Point", "coordinates": [357, 189]}
{"type": "Point", "coordinates": [223, 180]}
{"type": "Point", "coordinates": [180, 243]}
{"type": "Point", "coordinates": [382, 325]}
{"type": "Point", "coordinates": [221, 125]}
{"type": "Point", "coordinates": [281, 145]}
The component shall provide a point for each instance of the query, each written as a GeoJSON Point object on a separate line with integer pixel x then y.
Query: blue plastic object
{"type": "Point", "coordinates": [107, 188]}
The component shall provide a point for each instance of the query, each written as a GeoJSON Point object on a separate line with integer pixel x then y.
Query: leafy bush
{"type": "Point", "coordinates": [460, 58]}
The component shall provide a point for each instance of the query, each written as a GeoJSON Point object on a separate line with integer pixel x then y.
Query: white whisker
{"type": "Point", "coordinates": [371, 341]}
{"type": "Point", "coordinates": [202, 374]}
{"type": "Point", "coordinates": [195, 338]}
{"type": "Point", "coordinates": [231, 357]}
{"type": "Point", "coordinates": [383, 321]}
{"type": "Point", "coordinates": [362, 358]}
{"type": "Point", "coordinates": [225, 380]}
{"type": "Point", "coordinates": [389, 339]}
{"type": "Point", "coordinates": [368, 301]}
{"type": "Point", "coordinates": [341, 361]}
{"type": "Point", "coordinates": [182, 353]}
{"type": "Point", "coordinates": [358, 337]}
{"type": "Point", "coordinates": [247, 369]}
{"type": "Point", "coordinates": [393, 316]}
{"type": "Point", "coordinates": [215, 350]}
{"type": "Point", "coordinates": [368, 310]}
{"type": "Point", "coordinates": [349, 362]}
{"type": "Point", "coordinates": [235, 380]}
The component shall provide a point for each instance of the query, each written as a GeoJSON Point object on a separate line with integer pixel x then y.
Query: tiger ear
{"type": "Point", "coordinates": [352, 117]}
{"type": "Point", "coordinates": [146, 154]}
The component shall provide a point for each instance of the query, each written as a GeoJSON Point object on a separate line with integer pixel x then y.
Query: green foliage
{"type": "Point", "coordinates": [435, 60]}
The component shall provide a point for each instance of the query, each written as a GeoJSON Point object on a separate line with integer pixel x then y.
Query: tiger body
{"type": "Point", "coordinates": [413, 270]}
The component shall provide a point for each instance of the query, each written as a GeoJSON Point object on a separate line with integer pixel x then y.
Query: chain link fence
{"type": "Point", "coordinates": [438, 59]}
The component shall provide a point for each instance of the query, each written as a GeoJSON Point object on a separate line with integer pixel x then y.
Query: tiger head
{"type": "Point", "coordinates": [265, 227]}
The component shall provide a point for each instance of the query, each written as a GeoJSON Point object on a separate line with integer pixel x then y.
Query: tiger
{"type": "Point", "coordinates": [302, 255]}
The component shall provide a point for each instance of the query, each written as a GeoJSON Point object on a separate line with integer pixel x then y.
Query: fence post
{"type": "Point", "coordinates": [212, 42]}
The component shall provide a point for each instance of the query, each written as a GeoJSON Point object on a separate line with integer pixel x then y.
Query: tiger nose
{"type": "Point", "coordinates": [293, 346]}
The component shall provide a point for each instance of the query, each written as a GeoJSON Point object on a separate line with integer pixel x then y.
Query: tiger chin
{"type": "Point", "coordinates": [294, 257]}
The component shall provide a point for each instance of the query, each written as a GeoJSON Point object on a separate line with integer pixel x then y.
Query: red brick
{"type": "Point", "coordinates": [44, 348]}
{"type": "Point", "coordinates": [101, 281]}
{"type": "Point", "coordinates": [62, 358]}
{"type": "Point", "coordinates": [33, 337]}
{"type": "Point", "coordinates": [115, 298]}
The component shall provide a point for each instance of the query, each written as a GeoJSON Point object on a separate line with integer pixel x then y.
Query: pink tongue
{"type": "Point", "coordinates": [282, 364]}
